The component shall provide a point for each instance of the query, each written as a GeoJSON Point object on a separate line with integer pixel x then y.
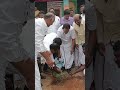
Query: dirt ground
{"type": "Point", "coordinates": [75, 82]}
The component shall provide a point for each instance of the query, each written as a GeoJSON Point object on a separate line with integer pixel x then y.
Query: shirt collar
{"type": "Point", "coordinates": [44, 23]}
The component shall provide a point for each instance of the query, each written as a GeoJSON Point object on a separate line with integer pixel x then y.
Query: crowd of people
{"type": "Point", "coordinates": [59, 42]}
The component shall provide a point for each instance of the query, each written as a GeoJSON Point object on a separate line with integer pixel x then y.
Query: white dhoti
{"type": "Point", "coordinates": [37, 76]}
{"type": "Point", "coordinates": [66, 55]}
{"type": "Point", "coordinates": [79, 56]}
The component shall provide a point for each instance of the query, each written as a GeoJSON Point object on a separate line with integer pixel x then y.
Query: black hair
{"type": "Point", "coordinates": [51, 8]}
{"type": "Point", "coordinates": [67, 12]}
{"type": "Point", "coordinates": [58, 41]}
{"type": "Point", "coordinates": [66, 26]}
{"type": "Point", "coordinates": [42, 12]}
{"type": "Point", "coordinates": [54, 46]}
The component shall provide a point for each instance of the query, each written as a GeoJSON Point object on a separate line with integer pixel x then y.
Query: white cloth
{"type": "Point", "coordinates": [66, 38]}
{"type": "Point", "coordinates": [48, 40]}
{"type": "Point", "coordinates": [40, 32]}
{"type": "Point", "coordinates": [79, 56]}
{"type": "Point", "coordinates": [67, 46]}
{"type": "Point", "coordinates": [37, 77]}
{"type": "Point", "coordinates": [54, 27]}
{"type": "Point", "coordinates": [83, 18]}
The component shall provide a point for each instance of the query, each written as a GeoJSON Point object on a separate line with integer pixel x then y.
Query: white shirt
{"type": "Point", "coordinates": [48, 40]}
{"type": "Point", "coordinates": [83, 18]}
{"type": "Point", "coordinates": [54, 27]}
{"type": "Point", "coordinates": [66, 38]}
{"type": "Point", "coordinates": [40, 32]}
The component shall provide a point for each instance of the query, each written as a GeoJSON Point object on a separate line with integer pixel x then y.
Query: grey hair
{"type": "Point", "coordinates": [48, 15]}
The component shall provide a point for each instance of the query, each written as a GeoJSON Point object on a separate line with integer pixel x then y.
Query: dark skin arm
{"type": "Point", "coordinates": [82, 67]}
{"type": "Point", "coordinates": [73, 46]}
{"type": "Point", "coordinates": [47, 55]}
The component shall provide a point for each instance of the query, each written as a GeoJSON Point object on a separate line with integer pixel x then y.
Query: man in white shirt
{"type": "Point", "coordinates": [67, 35]}
{"type": "Point", "coordinates": [41, 27]}
{"type": "Point", "coordinates": [56, 24]}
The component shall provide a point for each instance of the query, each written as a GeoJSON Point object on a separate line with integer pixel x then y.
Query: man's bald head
{"type": "Point", "coordinates": [49, 18]}
{"type": "Point", "coordinates": [77, 16]}
{"type": "Point", "coordinates": [77, 19]}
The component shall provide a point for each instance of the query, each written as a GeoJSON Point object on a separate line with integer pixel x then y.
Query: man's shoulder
{"type": "Point", "coordinates": [71, 28]}
{"type": "Point", "coordinates": [60, 28]}
{"type": "Point", "coordinates": [39, 21]}
{"type": "Point", "coordinates": [71, 18]}
{"type": "Point", "coordinates": [62, 18]}
{"type": "Point", "coordinates": [56, 17]}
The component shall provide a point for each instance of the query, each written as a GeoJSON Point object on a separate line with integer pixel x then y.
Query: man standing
{"type": "Point", "coordinates": [66, 18]}
{"type": "Point", "coordinates": [67, 34]}
{"type": "Point", "coordinates": [80, 40]}
{"type": "Point", "coordinates": [41, 27]}
{"type": "Point", "coordinates": [56, 24]}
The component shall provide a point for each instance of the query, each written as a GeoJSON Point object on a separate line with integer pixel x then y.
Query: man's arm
{"type": "Point", "coordinates": [73, 35]}
{"type": "Point", "coordinates": [79, 70]}
{"type": "Point", "coordinates": [39, 37]}
{"type": "Point", "coordinates": [73, 46]}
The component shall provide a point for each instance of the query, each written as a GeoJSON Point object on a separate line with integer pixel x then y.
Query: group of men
{"type": "Point", "coordinates": [71, 31]}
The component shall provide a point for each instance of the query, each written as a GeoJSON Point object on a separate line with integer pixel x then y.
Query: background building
{"type": "Point", "coordinates": [59, 5]}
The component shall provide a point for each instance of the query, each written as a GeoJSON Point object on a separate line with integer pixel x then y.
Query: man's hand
{"type": "Point", "coordinates": [47, 56]}
{"type": "Point", "coordinates": [50, 63]}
